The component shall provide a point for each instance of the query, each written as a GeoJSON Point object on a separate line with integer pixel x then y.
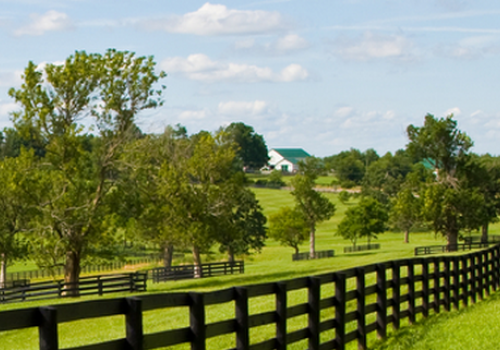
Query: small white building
{"type": "Point", "coordinates": [286, 159]}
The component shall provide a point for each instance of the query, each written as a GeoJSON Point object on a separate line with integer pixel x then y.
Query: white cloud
{"type": "Point", "coordinates": [193, 115]}
{"type": "Point", "coordinates": [50, 21]}
{"type": "Point", "coordinates": [10, 79]}
{"type": "Point", "coordinates": [239, 108]}
{"type": "Point", "coordinates": [455, 111]}
{"type": "Point", "coordinates": [280, 46]}
{"type": "Point", "coordinates": [201, 68]}
{"type": "Point", "coordinates": [215, 19]}
{"type": "Point", "coordinates": [374, 46]}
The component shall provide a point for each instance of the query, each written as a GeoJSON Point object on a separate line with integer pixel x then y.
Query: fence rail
{"type": "Point", "coordinates": [435, 249]}
{"type": "Point", "coordinates": [362, 247]}
{"type": "Point", "coordinates": [163, 274]}
{"type": "Point", "coordinates": [478, 239]}
{"type": "Point", "coordinates": [339, 307]}
{"type": "Point", "coordinates": [319, 254]}
{"type": "Point", "coordinates": [131, 282]}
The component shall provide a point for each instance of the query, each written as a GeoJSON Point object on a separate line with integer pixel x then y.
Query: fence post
{"type": "Point", "coordinates": [480, 268]}
{"type": "Point", "coordinates": [314, 312]}
{"type": "Point", "coordinates": [496, 267]}
{"type": "Point", "coordinates": [437, 272]}
{"type": "Point", "coordinates": [411, 291]}
{"type": "Point", "coordinates": [360, 291]}
{"type": "Point", "coordinates": [473, 279]}
{"type": "Point", "coordinates": [381, 301]}
{"type": "Point", "coordinates": [425, 287]}
{"type": "Point", "coordinates": [281, 304]}
{"type": "Point", "coordinates": [340, 291]}
{"type": "Point", "coordinates": [241, 304]}
{"type": "Point", "coordinates": [99, 285]}
{"type": "Point", "coordinates": [456, 282]}
{"type": "Point", "coordinates": [133, 320]}
{"type": "Point", "coordinates": [197, 321]}
{"type": "Point", "coordinates": [47, 330]}
{"type": "Point", "coordinates": [465, 280]}
{"type": "Point", "coordinates": [396, 294]}
{"type": "Point", "coordinates": [447, 291]}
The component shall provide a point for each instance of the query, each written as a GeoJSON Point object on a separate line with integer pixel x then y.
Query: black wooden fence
{"type": "Point", "coordinates": [163, 274]}
{"type": "Point", "coordinates": [361, 247]}
{"type": "Point", "coordinates": [319, 254]}
{"type": "Point", "coordinates": [59, 271]}
{"type": "Point", "coordinates": [436, 249]}
{"type": "Point", "coordinates": [130, 282]}
{"type": "Point", "coordinates": [339, 307]}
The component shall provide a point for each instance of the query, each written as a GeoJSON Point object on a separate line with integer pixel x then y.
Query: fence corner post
{"type": "Point", "coordinates": [134, 327]}
{"type": "Point", "coordinates": [281, 316]}
{"type": "Point", "coordinates": [47, 329]}
{"type": "Point", "coordinates": [340, 306]}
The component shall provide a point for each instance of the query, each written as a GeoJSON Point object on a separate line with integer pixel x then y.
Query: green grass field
{"type": "Point", "coordinates": [272, 264]}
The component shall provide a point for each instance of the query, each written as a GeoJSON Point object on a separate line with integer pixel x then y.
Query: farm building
{"type": "Point", "coordinates": [286, 159]}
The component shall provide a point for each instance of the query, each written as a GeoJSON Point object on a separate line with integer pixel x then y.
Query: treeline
{"type": "Point", "coordinates": [435, 182]}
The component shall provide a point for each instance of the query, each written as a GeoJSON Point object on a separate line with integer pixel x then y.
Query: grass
{"type": "Point", "coordinates": [475, 327]}
{"type": "Point", "coordinates": [272, 264]}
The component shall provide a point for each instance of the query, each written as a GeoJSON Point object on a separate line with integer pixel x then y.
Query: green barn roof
{"type": "Point", "coordinates": [289, 153]}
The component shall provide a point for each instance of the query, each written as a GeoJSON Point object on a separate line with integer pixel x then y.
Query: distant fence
{"type": "Point", "coordinates": [320, 254]}
{"type": "Point", "coordinates": [59, 271]}
{"type": "Point", "coordinates": [478, 239]}
{"type": "Point", "coordinates": [163, 274]}
{"type": "Point", "coordinates": [436, 249]}
{"type": "Point", "coordinates": [362, 247]}
{"type": "Point", "coordinates": [131, 282]}
{"type": "Point", "coordinates": [338, 308]}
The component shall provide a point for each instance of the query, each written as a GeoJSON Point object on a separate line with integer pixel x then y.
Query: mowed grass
{"type": "Point", "coordinates": [272, 264]}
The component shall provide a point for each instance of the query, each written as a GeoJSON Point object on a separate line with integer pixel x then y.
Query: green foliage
{"type": "Point", "coordinates": [76, 179]}
{"type": "Point", "coordinates": [252, 149]}
{"type": "Point", "coordinates": [344, 197]}
{"type": "Point", "coordinates": [288, 227]}
{"type": "Point", "coordinates": [313, 206]}
{"type": "Point", "coordinates": [367, 219]}
{"type": "Point", "coordinates": [350, 166]}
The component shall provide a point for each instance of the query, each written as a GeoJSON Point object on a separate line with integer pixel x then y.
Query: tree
{"type": "Point", "coordinates": [112, 89]}
{"type": "Point", "coordinates": [313, 206]}
{"type": "Point", "coordinates": [344, 197]}
{"type": "Point", "coordinates": [406, 212]}
{"type": "Point", "coordinates": [241, 225]}
{"type": "Point", "coordinates": [450, 204]}
{"type": "Point", "coordinates": [16, 199]}
{"type": "Point", "coordinates": [252, 149]}
{"type": "Point", "coordinates": [367, 219]}
{"type": "Point", "coordinates": [288, 227]}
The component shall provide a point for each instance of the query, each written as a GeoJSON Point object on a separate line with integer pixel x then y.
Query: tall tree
{"type": "Point", "coordinates": [449, 203]}
{"type": "Point", "coordinates": [112, 89]}
{"type": "Point", "coordinates": [314, 206]}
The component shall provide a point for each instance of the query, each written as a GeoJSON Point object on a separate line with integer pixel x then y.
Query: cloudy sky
{"type": "Point", "coordinates": [324, 75]}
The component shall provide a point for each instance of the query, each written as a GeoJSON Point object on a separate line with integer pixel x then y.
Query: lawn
{"type": "Point", "coordinates": [273, 263]}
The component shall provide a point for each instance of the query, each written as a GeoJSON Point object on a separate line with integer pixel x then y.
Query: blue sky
{"type": "Point", "coordinates": [324, 75]}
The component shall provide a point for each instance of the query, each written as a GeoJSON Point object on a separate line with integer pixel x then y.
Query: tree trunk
{"type": "Point", "coordinates": [230, 254]}
{"type": "Point", "coordinates": [407, 236]}
{"type": "Point", "coordinates": [168, 255]}
{"type": "Point", "coordinates": [452, 238]}
{"type": "Point", "coordinates": [484, 233]}
{"type": "Point", "coordinates": [3, 270]}
{"type": "Point", "coordinates": [72, 274]}
{"type": "Point", "coordinates": [312, 243]}
{"type": "Point", "coordinates": [197, 262]}
{"type": "Point", "coordinates": [296, 247]}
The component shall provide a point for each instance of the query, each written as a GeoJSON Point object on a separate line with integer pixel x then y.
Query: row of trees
{"type": "Point", "coordinates": [76, 169]}
{"type": "Point", "coordinates": [436, 182]}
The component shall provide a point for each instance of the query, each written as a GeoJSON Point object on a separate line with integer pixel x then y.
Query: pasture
{"type": "Point", "coordinates": [272, 264]}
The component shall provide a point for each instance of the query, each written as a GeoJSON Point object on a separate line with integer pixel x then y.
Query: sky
{"type": "Point", "coordinates": [322, 75]}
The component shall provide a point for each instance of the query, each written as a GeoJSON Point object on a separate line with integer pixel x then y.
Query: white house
{"type": "Point", "coordinates": [286, 159]}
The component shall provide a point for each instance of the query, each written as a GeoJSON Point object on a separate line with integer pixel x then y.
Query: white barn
{"type": "Point", "coordinates": [286, 159]}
